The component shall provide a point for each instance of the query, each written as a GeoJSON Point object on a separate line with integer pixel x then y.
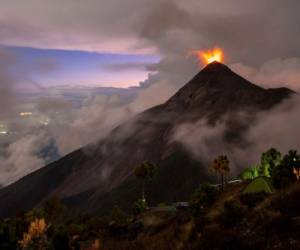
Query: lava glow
{"type": "Point", "coordinates": [209, 56]}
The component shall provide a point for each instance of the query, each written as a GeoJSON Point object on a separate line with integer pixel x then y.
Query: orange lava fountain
{"type": "Point", "coordinates": [209, 56]}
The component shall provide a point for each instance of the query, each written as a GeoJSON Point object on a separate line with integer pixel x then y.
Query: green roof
{"type": "Point", "coordinates": [259, 184]}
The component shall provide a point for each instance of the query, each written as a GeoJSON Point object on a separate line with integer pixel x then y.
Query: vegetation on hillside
{"type": "Point", "coordinates": [220, 166]}
{"type": "Point", "coordinates": [216, 218]}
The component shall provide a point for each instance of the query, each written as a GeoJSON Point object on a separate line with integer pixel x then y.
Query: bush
{"type": "Point", "coordinates": [75, 229]}
{"type": "Point", "coordinates": [204, 196]}
{"type": "Point", "coordinates": [282, 176]}
{"type": "Point", "coordinates": [118, 216]}
{"type": "Point", "coordinates": [162, 204]}
{"type": "Point", "coordinates": [139, 207]}
{"type": "Point", "coordinates": [233, 213]}
{"type": "Point", "coordinates": [252, 199]}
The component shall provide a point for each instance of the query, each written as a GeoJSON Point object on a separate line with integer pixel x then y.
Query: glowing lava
{"type": "Point", "coordinates": [209, 56]}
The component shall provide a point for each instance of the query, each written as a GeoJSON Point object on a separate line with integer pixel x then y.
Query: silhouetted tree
{"type": "Point", "coordinates": [250, 173]}
{"type": "Point", "coordinates": [283, 174]}
{"type": "Point", "coordinates": [139, 207]}
{"type": "Point", "coordinates": [220, 166]}
{"type": "Point", "coordinates": [268, 161]}
{"type": "Point", "coordinates": [145, 171]}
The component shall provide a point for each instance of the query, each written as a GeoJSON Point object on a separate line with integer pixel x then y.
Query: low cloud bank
{"type": "Point", "coordinates": [277, 128]}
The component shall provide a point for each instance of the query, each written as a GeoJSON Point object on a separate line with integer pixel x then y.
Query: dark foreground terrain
{"type": "Point", "coordinates": [258, 210]}
{"type": "Point", "coordinates": [230, 222]}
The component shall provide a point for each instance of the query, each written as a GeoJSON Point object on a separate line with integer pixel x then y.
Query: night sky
{"type": "Point", "coordinates": [51, 67]}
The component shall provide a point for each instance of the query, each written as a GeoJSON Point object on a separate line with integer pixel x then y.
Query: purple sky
{"type": "Point", "coordinates": [49, 67]}
{"type": "Point", "coordinates": [128, 35]}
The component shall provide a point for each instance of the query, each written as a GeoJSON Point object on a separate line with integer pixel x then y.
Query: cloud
{"type": "Point", "coordinates": [282, 136]}
{"type": "Point", "coordinates": [22, 157]}
{"type": "Point", "coordinates": [273, 73]}
{"type": "Point", "coordinates": [164, 26]}
{"type": "Point", "coordinates": [7, 83]}
{"type": "Point", "coordinates": [115, 67]}
{"type": "Point", "coordinates": [100, 114]}
{"type": "Point", "coordinates": [52, 104]}
{"type": "Point", "coordinates": [20, 148]}
{"type": "Point", "coordinates": [211, 141]}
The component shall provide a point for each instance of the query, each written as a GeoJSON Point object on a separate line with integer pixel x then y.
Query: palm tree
{"type": "Point", "coordinates": [145, 171]}
{"type": "Point", "coordinates": [220, 166]}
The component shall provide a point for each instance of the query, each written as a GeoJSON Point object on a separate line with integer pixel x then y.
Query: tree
{"type": "Point", "coordinates": [250, 173]}
{"type": "Point", "coordinates": [283, 174]}
{"type": "Point", "coordinates": [36, 237]}
{"type": "Point", "coordinates": [220, 166]}
{"type": "Point", "coordinates": [139, 207]}
{"type": "Point", "coordinates": [145, 171]}
{"type": "Point", "coordinates": [269, 159]}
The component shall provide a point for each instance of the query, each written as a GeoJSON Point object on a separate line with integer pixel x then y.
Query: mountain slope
{"type": "Point", "coordinates": [99, 175]}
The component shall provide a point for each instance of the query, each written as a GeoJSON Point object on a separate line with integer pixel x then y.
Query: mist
{"type": "Point", "coordinates": [276, 128]}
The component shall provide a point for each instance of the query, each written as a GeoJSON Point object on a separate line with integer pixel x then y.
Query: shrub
{"type": "Point", "coordinates": [36, 237]}
{"type": "Point", "coordinates": [162, 204]}
{"type": "Point", "coordinates": [249, 173]}
{"type": "Point", "coordinates": [204, 196]}
{"type": "Point", "coordinates": [75, 229]}
{"type": "Point", "coordinates": [283, 175]}
{"type": "Point", "coordinates": [139, 207]}
{"type": "Point", "coordinates": [118, 216]}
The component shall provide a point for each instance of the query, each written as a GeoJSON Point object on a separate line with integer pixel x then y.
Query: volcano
{"type": "Point", "coordinates": [100, 175]}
